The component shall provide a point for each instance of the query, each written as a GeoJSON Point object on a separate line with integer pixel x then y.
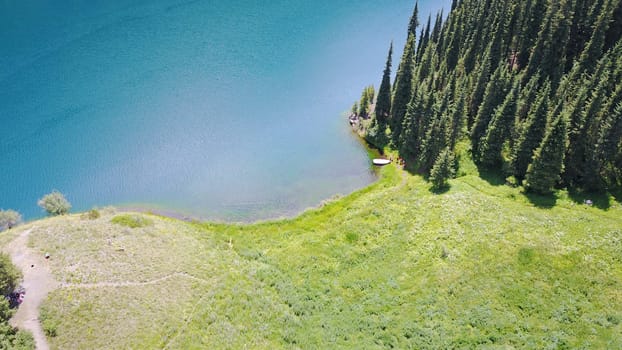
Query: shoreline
{"type": "Point", "coordinates": [158, 212]}
{"type": "Point", "coordinates": [173, 214]}
{"type": "Point", "coordinates": [190, 218]}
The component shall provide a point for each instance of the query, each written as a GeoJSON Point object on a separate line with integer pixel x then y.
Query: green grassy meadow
{"type": "Point", "coordinates": [391, 266]}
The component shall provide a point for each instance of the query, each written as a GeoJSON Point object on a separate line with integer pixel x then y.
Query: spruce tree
{"type": "Point", "coordinates": [367, 98]}
{"type": "Point", "coordinates": [499, 130]}
{"type": "Point", "coordinates": [426, 65]}
{"type": "Point", "coordinates": [438, 25]}
{"type": "Point", "coordinates": [579, 31]}
{"type": "Point", "coordinates": [433, 143]}
{"type": "Point", "coordinates": [425, 120]}
{"type": "Point", "coordinates": [493, 97]}
{"type": "Point", "coordinates": [453, 49]}
{"type": "Point", "coordinates": [549, 53]}
{"type": "Point", "coordinates": [419, 47]}
{"type": "Point", "coordinates": [402, 92]}
{"type": "Point", "coordinates": [611, 145]}
{"type": "Point", "coordinates": [410, 141]}
{"type": "Point", "coordinates": [424, 40]}
{"type": "Point", "coordinates": [414, 21]}
{"type": "Point", "coordinates": [531, 135]}
{"type": "Point", "coordinates": [454, 4]}
{"type": "Point", "coordinates": [590, 164]}
{"type": "Point", "coordinates": [383, 101]}
{"type": "Point", "coordinates": [440, 42]}
{"type": "Point", "coordinates": [615, 29]}
{"type": "Point", "coordinates": [610, 137]}
{"type": "Point", "coordinates": [477, 94]}
{"type": "Point", "coordinates": [496, 44]}
{"type": "Point", "coordinates": [527, 98]}
{"type": "Point", "coordinates": [594, 49]}
{"type": "Point", "coordinates": [376, 136]}
{"type": "Point", "coordinates": [443, 169]}
{"type": "Point", "coordinates": [544, 172]}
{"type": "Point", "coordinates": [458, 120]}
{"type": "Point", "coordinates": [577, 134]}
{"type": "Point", "coordinates": [533, 11]}
{"type": "Point", "coordinates": [509, 39]}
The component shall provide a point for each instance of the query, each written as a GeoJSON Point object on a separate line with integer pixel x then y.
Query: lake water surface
{"type": "Point", "coordinates": [215, 109]}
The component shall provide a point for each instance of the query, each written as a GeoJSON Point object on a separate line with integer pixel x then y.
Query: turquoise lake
{"type": "Point", "coordinates": [217, 110]}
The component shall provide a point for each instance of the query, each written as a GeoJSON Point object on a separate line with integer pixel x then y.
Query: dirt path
{"type": "Point", "coordinates": [38, 282]}
{"type": "Point", "coordinates": [130, 284]}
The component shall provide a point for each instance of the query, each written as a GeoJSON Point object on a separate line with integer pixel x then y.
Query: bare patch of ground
{"type": "Point", "coordinates": [38, 282]}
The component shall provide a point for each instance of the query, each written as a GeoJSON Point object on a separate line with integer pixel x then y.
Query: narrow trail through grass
{"type": "Point", "coordinates": [37, 281]}
{"type": "Point", "coordinates": [131, 284]}
{"type": "Point", "coordinates": [187, 320]}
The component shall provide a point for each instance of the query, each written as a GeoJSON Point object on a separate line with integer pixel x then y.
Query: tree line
{"type": "Point", "coordinates": [531, 85]}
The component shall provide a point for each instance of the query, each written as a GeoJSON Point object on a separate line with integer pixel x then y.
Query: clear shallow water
{"type": "Point", "coordinates": [218, 110]}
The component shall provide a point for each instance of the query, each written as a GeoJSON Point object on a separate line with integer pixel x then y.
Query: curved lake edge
{"type": "Point", "coordinates": [171, 213]}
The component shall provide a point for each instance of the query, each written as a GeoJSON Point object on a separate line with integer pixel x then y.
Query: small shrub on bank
{"type": "Point", "coordinates": [9, 218]}
{"type": "Point", "coordinates": [9, 275]}
{"type": "Point", "coordinates": [49, 328]}
{"type": "Point", "coordinates": [49, 324]}
{"type": "Point", "coordinates": [92, 214]}
{"type": "Point", "coordinates": [131, 221]}
{"type": "Point", "coordinates": [23, 340]}
{"type": "Point", "coordinates": [55, 203]}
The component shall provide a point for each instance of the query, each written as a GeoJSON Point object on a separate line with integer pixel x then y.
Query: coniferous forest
{"type": "Point", "coordinates": [531, 86]}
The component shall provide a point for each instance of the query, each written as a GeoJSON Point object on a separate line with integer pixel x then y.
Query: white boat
{"type": "Point", "coordinates": [381, 162]}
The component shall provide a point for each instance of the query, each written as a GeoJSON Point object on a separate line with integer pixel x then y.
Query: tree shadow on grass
{"type": "Point", "coordinates": [493, 177]}
{"type": "Point", "coordinates": [600, 200]}
{"type": "Point", "coordinates": [439, 190]}
{"type": "Point", "coordinates": [544, 201]}
{"type": "Point", "coordinates": [410, 167]}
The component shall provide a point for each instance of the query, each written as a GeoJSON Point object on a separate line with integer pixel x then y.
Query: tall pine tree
{"type": "Point", "coordinates": [531, 135]}
{"type": "Point", "coordinates": [499, 130]}
{"type": "Point", "coordinates": [493, 97]}
{"type": "Point", "coordinates": [383, 101]}
{"type": "Point", "coordinates": [402, 92]}
{"type": "Point", "coordinates": [544, 172]}
{"type": "Point", "coordinates": [414, 21]}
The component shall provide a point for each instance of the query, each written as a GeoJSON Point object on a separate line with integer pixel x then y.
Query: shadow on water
{"type": "Point", "coordinates": [600, 200]}
{"type": "Point", "coordinates": [544, 201]}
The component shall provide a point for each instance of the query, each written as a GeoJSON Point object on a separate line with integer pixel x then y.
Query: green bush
{"type": "Point", "coordinates": [49, 327]}
{"type": "Point", "coordinates": [55, 203]}
{"type": "Point", "coordinates": [9, 218]}
{"type": "Point", "coordinates": [10, 338]}
{"type": "Point", "coordinates": [9, 275]}
{"type": "Point", "coordinates": [48, 323]}
{"type": "Point", "coordinates": [132, 221]}
{"type": "Point", "coordinates": [23, 340]}
{"type": "Point", "coordinates": [352, 237]}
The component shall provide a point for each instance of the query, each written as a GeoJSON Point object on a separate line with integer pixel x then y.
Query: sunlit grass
{"type": "Point", "coordinates": [392, 265]}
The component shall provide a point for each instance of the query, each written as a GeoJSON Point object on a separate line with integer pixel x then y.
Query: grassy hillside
{"type": "Point", "coordinates": [393, 265]}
